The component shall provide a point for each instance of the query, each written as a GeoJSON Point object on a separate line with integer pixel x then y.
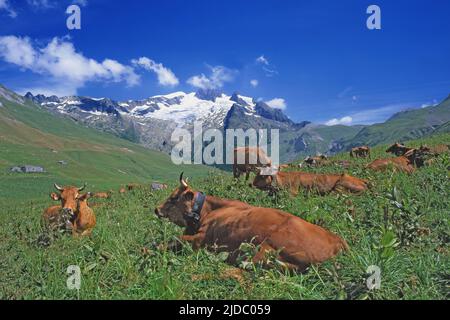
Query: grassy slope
{"type": "Point", "coordinates": [32, 136]}
{"type": "Point", "coordinates": [398, 128]}
{"type": "Point", "coordinates": [114, 264]}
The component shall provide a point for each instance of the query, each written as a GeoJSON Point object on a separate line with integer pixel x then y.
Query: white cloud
{"type": "Point", "coordinates": [218, 77]}
{"type": "Point", "coordinates": [59, 60]}
{"type": "Point", "coordinates": [344, 92]}
{"type": "Point", "coordinates": [165, 76]}
{"type": "Point", "coordinates": [344, 120]}
{"type": "Point", "coordinates": [254, 83]}
{"type": "Point", "coordinates": [82, 3]}
{"type": "Point", "coordinates": [4, 5]}
{"type": "Point", "coordinates": [277, 103]}
{"type": "Point", "coordinates": [374, 115]}
{"type": "Point", "coordinates": [262, 60]}
{"type": "Point", "coordinates": [268, 68]}
{"type": "Point", "coordinates": [41, 4]}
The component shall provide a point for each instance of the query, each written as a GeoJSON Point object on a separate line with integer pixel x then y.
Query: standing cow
{"type": "Point", "coordinates": [249, 159]}
{"type": "Point", "coordinates": [360, 152]}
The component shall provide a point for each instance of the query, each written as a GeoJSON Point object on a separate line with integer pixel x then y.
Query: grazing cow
{"type": "Point", "coordinates": [248, 159]}
{"type": "Point", "coordinates": [122, 190]}
{"type": "Point", "coordinates": [74, 205]}
{"type": "Point", "coordinates": [224, 225]}
{"type": "Point", "coordinates": [317, 161]}
{"type": "Point", "coordinates": [360, 152]}
{"type": "Point", "coordinates": [321, 183]}
{"type": "Point", "coordinates": [402, 164]}
{"type": "Point", "coordinates": [101, 195]}
{"type": "Point", "coordinates": [398, 149]}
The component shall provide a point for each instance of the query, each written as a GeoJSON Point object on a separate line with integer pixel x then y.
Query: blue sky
{"type": "Point", "coordinates": [315, 59]}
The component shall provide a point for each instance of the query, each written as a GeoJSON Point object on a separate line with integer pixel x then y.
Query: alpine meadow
{"type": "Point", "coordinates": [224, 158]}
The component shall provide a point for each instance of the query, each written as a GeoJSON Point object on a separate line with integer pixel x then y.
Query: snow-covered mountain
{"type": "Point", "coordinates": [179, 107]}
{"type": "Point", "coordinates": [152, 121]}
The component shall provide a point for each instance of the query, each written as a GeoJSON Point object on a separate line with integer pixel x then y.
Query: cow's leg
{"type": "Point", "coordinates": [236, 172]}
{"type": "Point", "coordinates": [261, 257]}
{"type": "Point", "coordinates": [247, 175]}
{"type": "Point", "coordinates": [86, 233]}
{"type": "Point", "coordinates": [177, 245]}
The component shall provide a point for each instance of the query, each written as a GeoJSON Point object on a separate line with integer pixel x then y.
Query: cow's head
{"type": "Point", "coordinates": [265, 178]}
{"type": "Point", "coordinates": [68, 197]}
{"type": "Point", "coordinates": [178, 205]}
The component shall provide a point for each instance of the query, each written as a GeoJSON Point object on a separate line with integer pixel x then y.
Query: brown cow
{"type": "Point", "coordinates": [360, 152]}
{"type": "Point", "coordinates": [317, 161]}
{"type": "Point", "coordinates": [101, 195]}
{"type": "Point", "coordinates": [402, 164]}
{"type": "Point", "coordinates": [435, 150]}
{"type": "Point", "coordinates": [74, 205]}
{"type": "Point", "coordinates": [122, 190]}
{"type": "Point", "coordinates": [84, 218]}
{"type": "Point", "coordinates": [249, 159]}
{"type": "Point", "coordinates": [398, 149]}
{"type": "Point", "coordinates": [225, 225]}
{"type": "Point", "coordinates": [321, 183]}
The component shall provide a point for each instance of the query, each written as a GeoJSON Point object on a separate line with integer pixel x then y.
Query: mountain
{"type": "Point", "coordinates": [150, 122]}
{"type": "Point", "coordinates": [72, 153]}
{"type": "Point", "coordinates": [405, 125]}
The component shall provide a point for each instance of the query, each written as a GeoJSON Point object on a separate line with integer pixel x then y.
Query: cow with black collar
{"type": "Point", "coordinates": [212, 222]}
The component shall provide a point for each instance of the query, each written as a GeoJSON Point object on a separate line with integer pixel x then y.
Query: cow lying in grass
{"type": "Point", "coordinates": [271, 180]}
{"type": "Point", "coordinates": [213, 222]}
{"type": "Point", "coordinates": [102, 195]}
{"type": "Point", "coordinates": [73, 212]}
{"type": "Point", "coordinates": [317, 161]}
{"type": "Point", "coordinates": [402, 164]}
{"type": "Point", "coordinates": [398, 149]}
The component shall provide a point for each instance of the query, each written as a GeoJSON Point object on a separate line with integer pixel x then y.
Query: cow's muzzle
{"type": "Point", "coordinates": [68, 211]}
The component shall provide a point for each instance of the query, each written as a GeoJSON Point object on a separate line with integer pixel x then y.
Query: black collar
{"type": "Point", "coordinates": [199, 201]}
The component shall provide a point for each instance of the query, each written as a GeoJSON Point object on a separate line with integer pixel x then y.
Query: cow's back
{"type": "Point", "coordinates": [300, 242]}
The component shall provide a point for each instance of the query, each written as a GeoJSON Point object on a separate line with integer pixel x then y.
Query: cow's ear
{"type": "Point", "coordinates": [85, 196]}
{"type": "Point", "coordinates": [55, 196]}
{"type": "Point", "coordinates": [189, 196]}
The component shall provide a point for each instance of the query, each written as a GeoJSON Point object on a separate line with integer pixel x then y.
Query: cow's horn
{"type": "Point", "coordinates": [58, 187]}
{"type": "Point", "coordinates": [182, 182]}
{"type": "Point", "coordinates": [82, 188]}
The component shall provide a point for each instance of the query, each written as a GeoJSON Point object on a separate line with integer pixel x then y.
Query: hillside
{"type": "Point", "coordinates": [406, 125]}
{"type": "Point", "coordinates": [31, 135]}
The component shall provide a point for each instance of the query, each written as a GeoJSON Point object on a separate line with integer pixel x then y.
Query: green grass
{"type": "Point", "coordinates": [401, 225]}
{"type": "Point", "coordinates": [29, 135]}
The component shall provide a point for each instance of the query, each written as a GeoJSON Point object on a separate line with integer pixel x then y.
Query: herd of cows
{"type": "Point", "coordinates": [223, 224]}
